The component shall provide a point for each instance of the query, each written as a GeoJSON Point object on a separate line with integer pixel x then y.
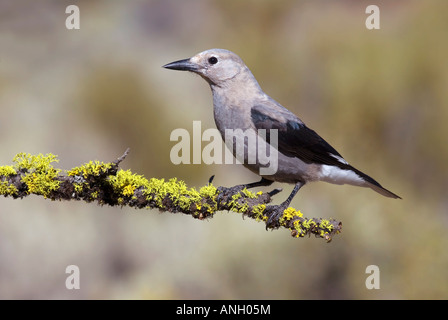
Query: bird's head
{"type": "Point", "coordinates": [217, 66]}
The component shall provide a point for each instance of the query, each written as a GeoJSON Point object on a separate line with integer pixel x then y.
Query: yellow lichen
{"type": "Point", "coordinates": [94, 168]}
{"type": "Point", "coordinates": [249, 194]}
{"type": "Point", "coordinates": [79, 186]}
{"type": "Point", "coordinates": [258, 211]}
{"type": "Point", "coordinates": [125, 182]}
{"type": "Point", "coordinates": [234, 203]}
{"type": "Point", "coordinates": [40, 176]}
{"type": "Point", "coordinates": [288, 214]}
{"type": "Point", "coordinates": [6, 171]}
{"type": "Point", "coordinates": [298, 228]}
{"type": "Point", "coordinates": [209, 191]}
{"type": "Point", "coordinates": [37, 163]}
{"type": "Point", "coordinates": [7, 189]}
{"type": "Point", "coordinates": [157, 189]}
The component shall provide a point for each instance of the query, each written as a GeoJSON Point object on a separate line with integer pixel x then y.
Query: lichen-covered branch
{"type": "Point", "coordinates": [105, 183]}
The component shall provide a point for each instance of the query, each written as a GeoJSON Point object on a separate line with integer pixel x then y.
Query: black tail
{"type": "Point", "coordinates": [374, 185]}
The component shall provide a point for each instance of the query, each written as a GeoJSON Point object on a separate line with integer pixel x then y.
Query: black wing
{"type": "Point", "coordinates": [295, 139]}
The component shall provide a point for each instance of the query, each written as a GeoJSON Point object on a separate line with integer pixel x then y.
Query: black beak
{"type": "Point", "coordinates": [182, 65]}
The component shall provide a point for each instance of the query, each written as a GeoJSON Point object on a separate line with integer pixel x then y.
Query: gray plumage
{"type": "Point", "coordinates": [240, 103]}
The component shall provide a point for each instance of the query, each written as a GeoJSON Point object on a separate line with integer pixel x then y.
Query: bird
{"type": "Point", "coordinates": [240, 103]}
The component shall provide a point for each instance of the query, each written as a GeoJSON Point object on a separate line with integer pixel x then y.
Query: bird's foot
{"type": "Point", "coordinates": [231, 190]}
{"type": "Point", "coordinates": [274, 213]}
{"type": "Point", "coordinates": [225, 193]}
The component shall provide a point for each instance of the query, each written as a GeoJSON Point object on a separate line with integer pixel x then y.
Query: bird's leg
{"type": "Point", "coordinates": [235, 189]}
{"type": "Point", "coordinates": [262, 183]}
{"type": "Point", "coordinates": [277, 211]}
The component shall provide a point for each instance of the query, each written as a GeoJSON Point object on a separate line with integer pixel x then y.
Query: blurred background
{"type": "Point", "coordinates": [378, 96]}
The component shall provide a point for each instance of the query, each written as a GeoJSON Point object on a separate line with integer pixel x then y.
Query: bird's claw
{"type": "Point", "coordinates": [274, 213]}
{"type": "Point", "coordinates": [224, 192]}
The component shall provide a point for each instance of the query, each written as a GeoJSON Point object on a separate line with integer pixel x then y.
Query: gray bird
{"type": "Point", "coordinates": [240, 103]}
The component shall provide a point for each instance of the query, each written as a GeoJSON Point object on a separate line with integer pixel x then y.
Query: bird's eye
{"type": "Point", "coordinates": [212, 60]}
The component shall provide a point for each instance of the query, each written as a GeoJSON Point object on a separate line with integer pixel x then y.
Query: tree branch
{"type": "Point", "coordinates": [105, 183]}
